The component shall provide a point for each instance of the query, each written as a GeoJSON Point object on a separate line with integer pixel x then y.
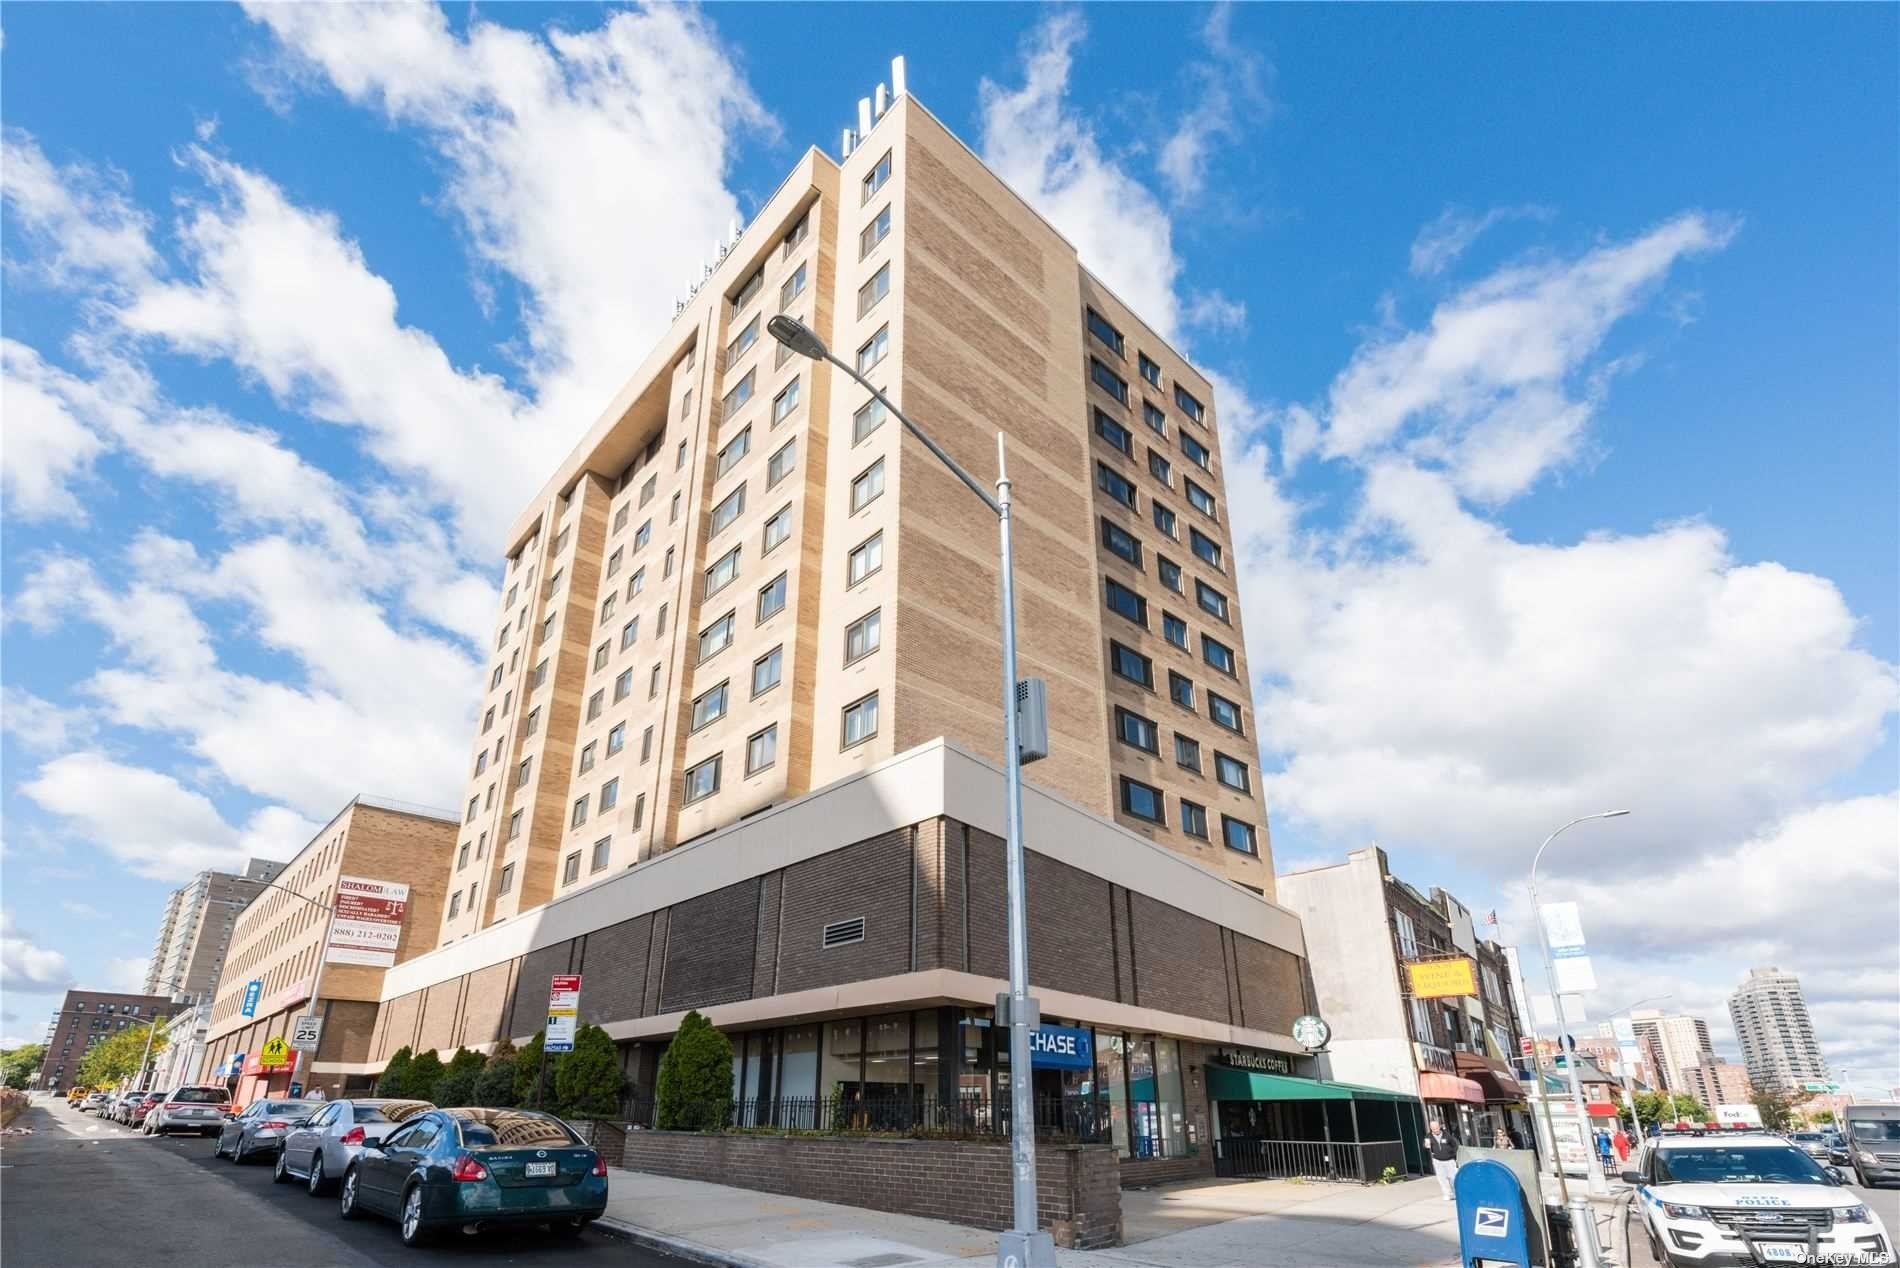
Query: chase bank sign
{"type": "Point", "coordinates": [1061, 1048]}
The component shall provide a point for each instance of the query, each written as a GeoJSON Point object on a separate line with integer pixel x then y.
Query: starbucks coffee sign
{"type": "Point", "coordinates": [1252, 1059]}
{"type": "Point", "coordinates": [1311, 1033]}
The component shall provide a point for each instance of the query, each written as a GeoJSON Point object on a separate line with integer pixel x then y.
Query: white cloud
{"type": "Point", "coordinates": [153, 823]}
{"type": "Point", "coordinates": [79, 217]}
{"type": "Point", "coordinates": [1227, 97]}
{"type": "Point", "coordinates": [47, 449]}
{"type": "Point", "coordinates": [26, 966]}
{"type": "Point", "coordinates": [127, 973]}
{"type": "Point", "coordinates": [40, 725]}
{"type": "Point", "coordinates": [1051, 156]}
{"type": "Point", "coordinates": [1440, 243]}
{"type": "Point", "coordinates": [85, 911]}
{"type": "Point", "coordinates": [1211, 310]}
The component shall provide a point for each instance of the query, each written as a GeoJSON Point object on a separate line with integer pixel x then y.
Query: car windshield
{"type": "Point", "coordinates": [1874, 1128]}
{"type": "Point", "coordinates": [200, 1096]}
{"type": "Point", "coordinates": [390, 1111]}
{"type": "Point", "coordinates": [509, 1128]}
{"type": "Point", "coordinates": [1766, 1164]}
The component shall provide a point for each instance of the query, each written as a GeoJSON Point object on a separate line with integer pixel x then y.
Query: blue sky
{"type": "Point", "coordinates": [1557, 347]}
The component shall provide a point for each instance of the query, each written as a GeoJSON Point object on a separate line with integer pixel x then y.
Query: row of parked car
{"type": "Point", "coordinates": [430, 1169]}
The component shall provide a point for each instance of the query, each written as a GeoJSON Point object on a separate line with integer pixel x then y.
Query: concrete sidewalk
{"type": "Point", "coordinates": [1219, 1224]}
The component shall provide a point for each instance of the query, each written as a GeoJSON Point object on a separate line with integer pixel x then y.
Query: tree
{"type": "Point", "coordinates": [1688, 1107]}
{"type": "Point", "coordinates": [496, 1086]}
{"type": "Point", "coordinates": [1777, 1108]}
{"type": "Point", "coordinates": [695, 1083]}
{"type": "Point", "coordinates": [528, 1069]}
{"type": "Point", "coordinates": [425, 1073]}
{"type": "Point", "coordinates": [394, 1080]}
{"type": "Point", "coordinates": [111, 1060]}
{"type": "Point", "coordinates": [590, 1083]}
{"type": "Point", "coordinates": [457, 1084]}
{"type": "Point", "coordinates": [18, 1065]}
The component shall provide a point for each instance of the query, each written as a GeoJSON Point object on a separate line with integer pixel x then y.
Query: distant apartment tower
{"type": "Point", "coordinates": [195, 931]}
{"type": "Point", "coordinates": [1675, 1041]}
{"type": "Point", "coordinates": [1777, 1037]}
{"type": "Point", "coordinates": [745, 583]}
{"type": "Point", "coordinates": [1715, 1082]}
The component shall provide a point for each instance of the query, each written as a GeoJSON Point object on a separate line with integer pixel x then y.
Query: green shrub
{"type": "Point", "coordinates": [528, 1068]}
{"type": "Point", "coordinates": [496, 1086]}
{"type": "Point", "coordinates": [694, 1091]}
{"type": "Point", "coordinates": [424, 1073]}
{"type": "Point", "coordinates": [457, 1084]}
{"type": "Point", "coordinates": [590, 1083]}
{"type": "Point", "coordinates": [394, 1080]}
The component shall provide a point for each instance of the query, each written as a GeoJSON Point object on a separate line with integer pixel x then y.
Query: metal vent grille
{"type": "Point", "coordinates": [844, 932]}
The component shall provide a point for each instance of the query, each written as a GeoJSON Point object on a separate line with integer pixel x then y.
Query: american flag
{"type": "Point", "coordinates": [1492, 919]}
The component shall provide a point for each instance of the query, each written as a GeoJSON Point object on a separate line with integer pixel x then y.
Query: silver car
{"type": "Point", "coordinates": [321, 1150]}
{"type": "Point", "coordinates": [261, 1128]}
{"type": "Point", "coordinates": [193, 1108]}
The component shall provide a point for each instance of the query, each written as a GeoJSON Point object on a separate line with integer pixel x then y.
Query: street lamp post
{"type": "Point", "coordinates": [1024, 1245]}
{"type": "Point", "coordinates": [323, 948]}
{"type": "Point", "coordinates": [1583, 1220]}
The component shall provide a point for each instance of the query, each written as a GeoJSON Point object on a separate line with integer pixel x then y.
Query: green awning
{"type": "Point", "coordinates": [1225, 1083]}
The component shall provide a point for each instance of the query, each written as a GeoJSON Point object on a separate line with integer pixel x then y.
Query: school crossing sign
{"type": "Point", "coordinates": [276, 1052]}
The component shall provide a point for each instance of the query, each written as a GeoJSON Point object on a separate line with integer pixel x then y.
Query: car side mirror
{"type": "Point", "coordinates": [1632, 1177]}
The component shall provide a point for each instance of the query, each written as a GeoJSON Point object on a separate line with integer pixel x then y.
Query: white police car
{"type": "Point", "coordinates": [1744, 1199]}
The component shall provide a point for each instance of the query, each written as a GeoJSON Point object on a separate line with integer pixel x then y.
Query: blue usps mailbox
{"type": "Point", "coordinates": [1494, 1220]}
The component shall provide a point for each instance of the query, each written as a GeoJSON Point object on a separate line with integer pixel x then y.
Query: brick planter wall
{"type": "Point", "coordinates": [1140, 1172]}
{"type": "Point", "coordinates": [1078, 1187]}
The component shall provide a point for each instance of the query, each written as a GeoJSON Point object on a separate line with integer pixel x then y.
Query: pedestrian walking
{"type": "Point", "coordinates": [1444, 1150]}
{"type": "Point", "coordinates": [1621, 1142]}
{"type": "Point", "coordinates": [1605, 1150]}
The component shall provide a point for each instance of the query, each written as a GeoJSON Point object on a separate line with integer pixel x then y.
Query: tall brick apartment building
{"type": "Point", "coordinates": [738, 745]}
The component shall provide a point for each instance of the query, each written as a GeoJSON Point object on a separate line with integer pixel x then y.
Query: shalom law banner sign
{"type": "Point", "coordinates": [368, 922]}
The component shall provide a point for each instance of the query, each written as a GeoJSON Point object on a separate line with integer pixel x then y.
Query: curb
{"type": "Point", "coordinates": [678, 1247]}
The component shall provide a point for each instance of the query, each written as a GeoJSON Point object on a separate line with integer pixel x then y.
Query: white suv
{"type": "Point", "coordinates": [1745, 1198]}
{"type": "Point", "coordinates": [199, 1109]}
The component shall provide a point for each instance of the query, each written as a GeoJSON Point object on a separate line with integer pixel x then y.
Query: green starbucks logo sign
{"type": "Point", "coordinates": [1311, 1032]}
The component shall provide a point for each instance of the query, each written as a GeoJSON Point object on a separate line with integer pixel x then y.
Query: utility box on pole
{"type": "Point", "coordinates": [1032, 720]}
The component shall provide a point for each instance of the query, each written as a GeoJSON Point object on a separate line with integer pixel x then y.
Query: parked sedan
{"type": "Point", "coordinates": [261, 1128]}
{"type": "Point", "coordinates": [323, 1148]}
{"type": "Point", "coordinates": [193, 1108]}
{"type": "Point", "coordinates": [474, 1169]}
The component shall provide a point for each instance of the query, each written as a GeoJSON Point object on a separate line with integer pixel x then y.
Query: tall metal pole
{"type": "Point", "coordinates": [1543, 1093]}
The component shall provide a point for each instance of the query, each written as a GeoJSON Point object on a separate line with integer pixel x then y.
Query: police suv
{"type": "Point", "coordinates": [1745, 1199]}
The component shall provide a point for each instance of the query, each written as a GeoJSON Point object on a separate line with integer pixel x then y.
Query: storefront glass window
{"type": "Point", "coordinates": [1111, 1076]}
{"type": "Point", "coordinates": [923, 1052]}
{"type": "Point", "coordinates": [973, 1072]}
{"type": "Point", "coordinates": [1143, 1109]}
{"type": "Point", "coordinates": [887, 1062]}
{"type": "Point", "coordinates": [798, 1076]}
{"type": "Point", "coordinates": [1170, 1104]}
{"type": "Point", "coordinates": [838, 1075]}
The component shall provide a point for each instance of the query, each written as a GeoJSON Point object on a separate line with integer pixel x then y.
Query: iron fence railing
{"type": "Point", "coordinates": [1079, 1118]}
{"type": "Point", "coordinates": [1364, 1161]}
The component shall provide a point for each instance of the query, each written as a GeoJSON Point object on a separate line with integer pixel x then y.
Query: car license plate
{"type": "Point", "coordinates": [1772, 1254]}
{"type": "Point", "coordinates": [540, 1169]}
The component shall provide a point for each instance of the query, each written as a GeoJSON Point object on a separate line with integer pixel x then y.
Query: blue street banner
{"type": "Point", "coordinates": [252, 990]}
{"type": "Point", "coordinates": [1061, 1048]}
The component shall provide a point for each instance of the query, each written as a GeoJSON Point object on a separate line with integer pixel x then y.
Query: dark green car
{"type": "Point", "coordinates": [477, 1168]}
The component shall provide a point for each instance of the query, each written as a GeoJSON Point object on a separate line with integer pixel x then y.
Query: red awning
{"type": "Point", "coordinates": [1433, 1086]}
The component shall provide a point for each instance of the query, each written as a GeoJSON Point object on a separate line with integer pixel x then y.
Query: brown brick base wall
{"type": "Point", "coordinates": [1078, 1189]}
{"type": "Point", "coordinates": [1141, 1172]}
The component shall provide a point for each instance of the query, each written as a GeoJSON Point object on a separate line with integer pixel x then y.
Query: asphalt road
{"type": "Point", "coordinates": [1885, 1204]}
{"type": "Point", "coordinates": [78, 1191]}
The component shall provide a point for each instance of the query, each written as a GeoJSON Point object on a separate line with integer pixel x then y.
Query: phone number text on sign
{"type": "Point", "coordinates": [368, 924]}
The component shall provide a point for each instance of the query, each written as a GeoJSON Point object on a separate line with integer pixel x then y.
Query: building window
{"type": "Point", "coordinates": [1174, 629]}
{"type": "Point", "coordinates": [643, 534]}
{"type": "Point", "coordinates": [771, 598]}
{"type": "Point", "coordinates": [580, 813]}
{"type": "Point", "coordinates": [494, 679]}
{"type": "Point", "coordinates": [571, 868]}
{"type": "Point", "coordinates": [616, 738]}
{"type": "Point", "coordinates": [785, 402]}
{"type": "Point", "coordinates": [603, 848]}
{"type": "Point", "coordinates": [646, 745]}
{"type": "Point", "coordinates": [875, 232]}
{"type": "Point", "coordinates": [796, 234]}
{"type": "Point", "coordinates": [1125, 602]}
{"type": "Point", "coordinates": [607, 606]}
{"type": "Point", "coordinates": [1181, 689]}
{"type": "Point", "coordinates": [1169, 572]}
{"type": "Point", "coordinates": [863, 636]}
{"type": "Point", "coordinates": [782, 462]}
{"type": "Point", "coordinates": [1143, 801]}
{"type": "Point", "coordinates": [636, 583]}
{"type": "Point", "coordinates": [595, 703]}
{"type": "Point", "coordinates": [761, 750]}
{"type": "Point", "coordinates": [766, 670]}
{"type": "Point", "coordinates": [702, 781]}
{"type": "Point", "coordinates": [739, 395]}
{"type": "Point", "coordinates": [778, 528]}
{"type": "Point", "coordinates": [1194, 819]}
{"type": "Point", "coordinates": [1211, 600]}
{"type": "Point", "coordinates": [1121, 542]}
{"type": "Point", "coordinates": [1152, 415]}
{"type": "Point", "coordinates": [874, 290]}
{"type": "Point", "coordinates": [1225, 713]}
{"type": "Point", "coordinates": [867, 486]}
{"type": "Point", "coordinates": [623, 685]}
{"type": "Point", "coordinates": [722, 572]}
{"type": "Point", "coordinates": [609, 795]}
{"type": "Point", "coordinates": [869, 418]}
{"type": "Point", "coordinates": [1114, 433]}
{"type": "Point", "coordinates": [794, 287]}
{"type": "Point", "coordinates": [1150, 371]}
{"type": "Point", "coordinates": [1232, 772]}
{"type": "Point", "coordinates": [659, 621]}
{"type": "Point", "coordinates": [455, 904]}
{"type": "Point", "coordinates": [1133, 729]}
{"type": "Point", "coordinates": [860, 720]}
{"type": "Point", "coordinates": [1108, 380]}
{"type": "Point", "coordinates": [629, 633]}
{"type": "Point", "coordinates": [749, 288]}
{"type": "Point", "coordinates": [523, 772]}
{"type": "Point", "coordinates": [653, 682]}
{"type": "Point", "coordinates": [1187, 753]}
{"type": "Point", "coordinates": [1111, 338]}
{"type": "Point", "coordinates": [587, 758]}
{"type": "Point", "coordinates": [1115, 484]}
{"type": "Point", "coordinates": [1219, 655]}
{"type": "Point", "coordinates": [875, 179]}
{"type": "Point", "coordinates": [1202, 500]}
{"type": "Point", "coordinates": [507, 882]}
{"type": "Point", "coordinates": [715, 638]}
{"type": "Point", "coordinates": [600, 656]}
{"type": "Point", "coordinates": [730, 508]}
{"type": "Point", "coordinates": [461, 859]}
{"type": "Point", "coordinates": [1205, 548]}
{"type": "Point", "coordinates": [666, 570]}
{"type": "Point", "coordinates": [673, 510]}
{"type": "Point", "coordinates": [874, 349]}
{"type": "Point", "coordinates": [1131, 664]}
{"type": "Point", "coordinates": [1197, 453]}
{"type": "Point", "coordinates": [866, 559]}
{"type": "Point", "coordinates": [1238, 834]}
{"type": "Point", "coordinates": [1158, 468]}
{"type": "Point", "coordinates": [639, 811]}
{"type": "Point", "coordinates": [733, 450]}
{"type": "Point", "coordinates": [514, 829]}
{"type": "Point", "coordinates": [1186, 403]}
